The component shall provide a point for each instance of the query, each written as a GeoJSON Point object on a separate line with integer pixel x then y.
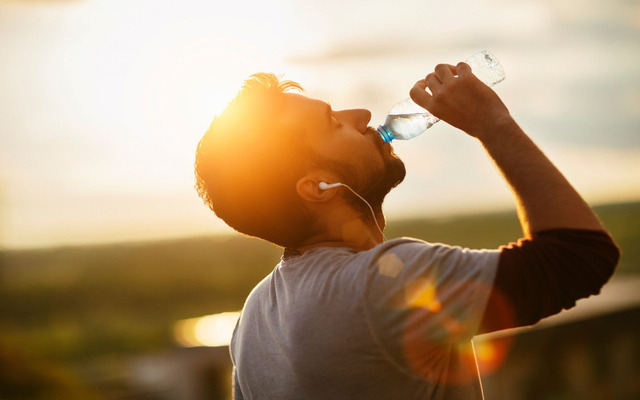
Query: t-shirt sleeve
{"type": "Point", "coordinates": [541, 275]}
{"type": "Point", "coordinates": [421, 298]}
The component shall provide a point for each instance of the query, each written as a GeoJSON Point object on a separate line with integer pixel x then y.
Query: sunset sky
{"type": "Point", "coordinates": [103, 102]}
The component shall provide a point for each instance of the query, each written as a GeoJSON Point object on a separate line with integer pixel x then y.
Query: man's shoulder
{"type": "Point", "coordinates": [407, 258]}
{"type": "Point", "coordinates": [413, 245]}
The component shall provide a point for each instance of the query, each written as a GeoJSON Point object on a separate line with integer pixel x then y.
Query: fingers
{"type": "Point", "coordinates": [442, 75]}
{"type": "Point", "coordinates": [444, 72]}
{"type": "Point", "coordinates": [463, 69]}
{"type": "Point", "coordinates": [419, 93]}
{"type": "Point", "coordinates": [433, 83]}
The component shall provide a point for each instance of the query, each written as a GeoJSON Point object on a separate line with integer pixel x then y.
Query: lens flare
{"type": "Point", "coordinates": [421, 293]}
{"type": "Point", "coordinates": [390, 265]}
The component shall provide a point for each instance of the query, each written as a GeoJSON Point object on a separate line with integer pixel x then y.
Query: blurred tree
{"type": "Point", "coordinates": [26, 377]}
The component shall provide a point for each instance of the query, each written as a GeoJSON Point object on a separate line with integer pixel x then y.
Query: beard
{"type": "Point", "coordinates": [373, 184]}
{"type": "Point", "coordinates": [377, 185]}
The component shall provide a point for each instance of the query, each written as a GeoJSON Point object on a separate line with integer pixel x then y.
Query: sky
{"type": "Point", "coordinates": [103, 102]}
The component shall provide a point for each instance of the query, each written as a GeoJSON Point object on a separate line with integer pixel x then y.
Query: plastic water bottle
{"type": "Point", "coordinates": [407, 120]}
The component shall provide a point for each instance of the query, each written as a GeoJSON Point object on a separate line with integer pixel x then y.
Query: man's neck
{"type": "Point", "coordinates": [356, 234]}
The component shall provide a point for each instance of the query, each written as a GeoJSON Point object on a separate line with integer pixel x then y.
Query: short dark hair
{"type": "Point", "coordinates": [248, 162]}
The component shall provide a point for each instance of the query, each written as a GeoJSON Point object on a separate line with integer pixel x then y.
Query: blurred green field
{"type": "Point", "coordinates": [64, 309]}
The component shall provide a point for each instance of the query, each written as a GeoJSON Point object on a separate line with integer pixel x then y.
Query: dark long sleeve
{"type": "Point", "coordinates": [541, 275]}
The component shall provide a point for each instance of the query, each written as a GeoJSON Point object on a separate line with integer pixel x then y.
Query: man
{"type": "Point", "coordinates": [347, 314]}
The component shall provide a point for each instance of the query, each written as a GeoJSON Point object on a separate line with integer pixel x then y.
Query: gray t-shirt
{"type": "Point", "coordinates": [393, 322]}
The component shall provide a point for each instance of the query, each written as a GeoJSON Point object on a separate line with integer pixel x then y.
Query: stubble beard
{"type": "Point", "coordinates": [372, 184]}
{"type": "Point", "coordinates": [378, 185]}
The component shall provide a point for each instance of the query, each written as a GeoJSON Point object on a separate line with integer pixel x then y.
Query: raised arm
{"type": "Point", "coordinates": [545, 199]}
{"type": "Point", "coordinates": [566, 253]}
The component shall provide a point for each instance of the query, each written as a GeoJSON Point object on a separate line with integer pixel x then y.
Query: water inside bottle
{"type": "Point", "coordinates": [407, 120]}
{"type": "Point", "coordinates": [409, 125]}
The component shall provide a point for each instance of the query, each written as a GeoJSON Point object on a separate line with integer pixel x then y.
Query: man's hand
{"type": "Point", "coordinates": [459, 98]}
{"type": "Point", "coordinates": [544, 198]}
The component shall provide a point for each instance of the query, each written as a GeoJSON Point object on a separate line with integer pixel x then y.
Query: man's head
{"type": "Point", "coordinates": [252, 161]}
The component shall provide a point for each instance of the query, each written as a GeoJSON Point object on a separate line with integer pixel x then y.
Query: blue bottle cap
{"type": "Point", "coordinates": [386, 134]}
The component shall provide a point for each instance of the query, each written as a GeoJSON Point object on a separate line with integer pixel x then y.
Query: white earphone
{"type": "Point", "coordinates": [325, 185]}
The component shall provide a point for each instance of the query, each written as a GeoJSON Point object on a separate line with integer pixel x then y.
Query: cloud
{"type": "Point", "coordinates": [79, 74]}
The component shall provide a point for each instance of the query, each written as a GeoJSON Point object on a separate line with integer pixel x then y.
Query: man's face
{"type": "Point", "coordinates": [343, 142]}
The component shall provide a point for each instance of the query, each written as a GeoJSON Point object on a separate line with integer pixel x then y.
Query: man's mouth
{"type": "Point", "coordinates": [373, 132]}
{"type": "Point", "coordinates": [379, 143]}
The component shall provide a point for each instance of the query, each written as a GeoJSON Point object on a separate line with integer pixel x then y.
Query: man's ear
{"type": "Point", "coordinates": [309, 190]}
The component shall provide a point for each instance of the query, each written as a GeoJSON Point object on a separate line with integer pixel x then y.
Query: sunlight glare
{"type": "Point", "coordinates": [421, 293]}
{"type": "Point", "coordinates": [491, 353]}
{"type": "Point", "coordinates": [210, 330]}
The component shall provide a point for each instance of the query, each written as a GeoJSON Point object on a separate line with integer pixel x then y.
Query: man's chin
{"type": "Point", "coordinates": [393, 175]}
{"type": "Point", "coordinates": [396, 171]}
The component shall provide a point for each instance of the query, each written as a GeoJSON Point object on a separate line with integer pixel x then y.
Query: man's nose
{"type": "Point", "coordinates": [358, 118]}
